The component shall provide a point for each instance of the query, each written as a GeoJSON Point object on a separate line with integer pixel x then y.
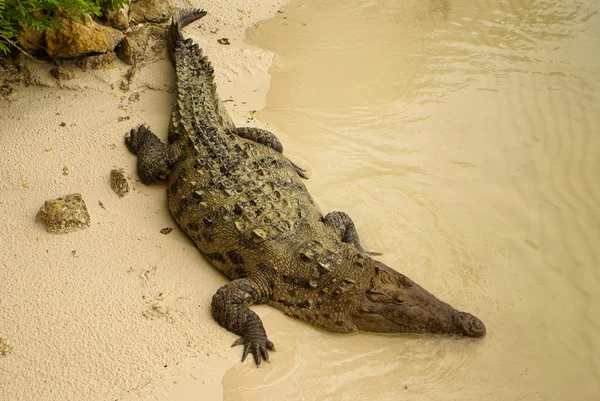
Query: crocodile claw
{"type": "Point", "coordinates": [138, 137]}
{"type": "Point", "coordinates": [299, 170]}
{"type": "Point", "coordinates": [259, 348]}
{"type": "Point", "coordinates": [363, 250]}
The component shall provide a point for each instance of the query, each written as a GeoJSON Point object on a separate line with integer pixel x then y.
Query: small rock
{"type": "Point", "coordinates": [223, 41]}
{"type": "Point", "coordinates": [4, 347]}
{"type": "Point", "coordinates": [126, 81]}
{"type": "Point", "coordinates": [64, 214]}
{"type": "Point", "coordinates": [118, 19]}
{"type": "Point", "coordinates": [134, 97]}
{"type": "Point", "coordinates": [79, 38]}
{"type": "Point", "coordinates": [97, 61]}
{"type": "Point", "coordinates": [147, 43]}
{"type": "Point", "coordinates": [151, 10]}
{"type": "Point", "coordinates": [166, 230]}
{"type": "Point", "coordinates": [65, 170]}
{"type": "Point", "coordinates": [63, 73]}
{"type": "Point", "coordinates": [118, 182]}
{"type": "Point", "coordinates": [123, 118]}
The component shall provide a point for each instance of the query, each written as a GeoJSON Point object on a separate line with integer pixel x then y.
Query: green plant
{"type": "Point", "coordinates": [111, 4]}
{"type": "Point", "coordinates": [15, 15]}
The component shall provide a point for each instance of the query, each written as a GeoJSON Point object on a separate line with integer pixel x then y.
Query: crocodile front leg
{"type": "Point", "coordinates": [230, 310]}
{"type": "Point", "coordinates": [154, 158]}
{"type": "Point", "coordinates": [268, 139]}
{"type": "Point", "coordinates": [345, 228]}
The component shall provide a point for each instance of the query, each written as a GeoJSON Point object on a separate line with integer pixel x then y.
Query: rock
{"type": "Point", "coordinates": [151, 10]}
{"type": "Point", "coordinates": [166, 230]}
{"type": "Point", "coordinates": [79, 38]}
{"type": "Point", "coordinates": [124, 85]}
{"type": "Point", "coordinates": [147, 43]}
{"type": "Point", "coordinates": [126, 81]}
{"type": "Point", "coordinates": [118, 182]}
{"type": "Point", "coordinates": [64, 214]}
{"type": "Point", "coordinates": [118, 19]}
{"type": "Point", "coordinates": [97, 61]}
{"type": "Point", "coordinates": [63, 73]}
{"type": "Point", "coordinates": [31, 39]}
{"type": "Point", "coordinates": [11, 75]}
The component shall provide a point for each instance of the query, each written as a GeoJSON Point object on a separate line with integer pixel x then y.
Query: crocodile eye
{"type": "Point", "coordinates": [405, 281]}
{"type": "Point", "coordinates": [398, 300]}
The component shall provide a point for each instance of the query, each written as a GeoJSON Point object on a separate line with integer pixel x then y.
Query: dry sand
{"type": "Point", "coordinates": [117, 311]}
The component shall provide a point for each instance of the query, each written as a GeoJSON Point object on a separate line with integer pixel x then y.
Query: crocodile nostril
{"type": "Point", "coordinates": [474, 327]}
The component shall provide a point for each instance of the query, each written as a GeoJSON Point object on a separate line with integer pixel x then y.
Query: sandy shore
{"type": "Point", "coordinates": [117, 311]}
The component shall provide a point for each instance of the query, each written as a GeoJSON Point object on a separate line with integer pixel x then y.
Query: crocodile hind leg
{"type": "Point", "coordinates": [230, 310]}
{"type": "Point", "coordinates": [268, 139]}
{"type": "Point", "coordinates": [154, 158]}
{"type": "Point", "coordinates": [344, 226]}
{"type": "Point", "coordinates": [261, 136]}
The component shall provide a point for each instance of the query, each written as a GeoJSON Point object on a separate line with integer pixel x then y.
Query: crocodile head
{"type": "Point", "coordinates": [392, 303]}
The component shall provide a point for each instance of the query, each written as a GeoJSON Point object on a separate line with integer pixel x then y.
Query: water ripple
{"type": "Point", "coordinates": [462, 137]}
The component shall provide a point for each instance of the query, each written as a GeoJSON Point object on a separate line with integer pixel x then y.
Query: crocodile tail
{"type": "Point", "coordinates": [180, 19]}
{"type": "Point", "coordinates": [197, 98]}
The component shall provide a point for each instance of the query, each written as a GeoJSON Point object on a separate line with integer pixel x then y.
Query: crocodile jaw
{"type": "Point", "coordinates": [395, 304]}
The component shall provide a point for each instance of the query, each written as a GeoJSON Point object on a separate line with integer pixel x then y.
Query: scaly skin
{"type": "Point", "coordinates": [244, 205]}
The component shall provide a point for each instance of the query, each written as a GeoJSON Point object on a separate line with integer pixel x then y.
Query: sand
{"type": "Point", "coordinates": [117, 311]}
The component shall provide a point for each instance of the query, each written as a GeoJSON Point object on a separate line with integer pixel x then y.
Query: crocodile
{"type": "Point", "coordinates": [246, 208]}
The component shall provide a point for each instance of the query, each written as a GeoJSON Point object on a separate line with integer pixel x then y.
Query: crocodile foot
{"type": "Point", "coordinates": [138, 137]}
{"type": "Point", "coordinates": [257, 345]}
{"type": "Point", "coordinates": [154, 157]}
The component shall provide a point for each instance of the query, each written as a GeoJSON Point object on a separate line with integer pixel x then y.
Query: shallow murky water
{"type": "Point", "coordinates": [463, 138]}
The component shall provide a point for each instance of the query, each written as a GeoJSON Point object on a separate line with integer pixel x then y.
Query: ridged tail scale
{"type": "Point", "coordinates": [198, 106]}
{"type": "Point", "coordinates": [181, 19]}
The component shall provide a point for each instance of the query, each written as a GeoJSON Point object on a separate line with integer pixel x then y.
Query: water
{"type": "Point", "coordinates": [462, 137]}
